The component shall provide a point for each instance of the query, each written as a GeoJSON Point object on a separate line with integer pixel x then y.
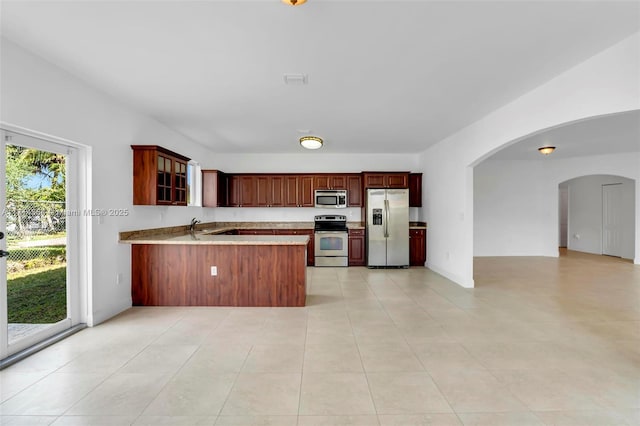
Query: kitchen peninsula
{"type": "Point", "coordinates": [173, 267]}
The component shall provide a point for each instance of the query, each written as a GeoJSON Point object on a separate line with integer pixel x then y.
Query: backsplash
{"type": "Point", "coordinates": [286, 214]}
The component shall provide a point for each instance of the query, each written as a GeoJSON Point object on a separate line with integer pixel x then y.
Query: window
{"type": "Point", "coordinates": [194, 184]}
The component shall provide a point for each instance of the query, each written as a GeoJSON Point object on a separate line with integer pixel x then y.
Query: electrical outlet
{"type": "Point", "coordinates": [214, 271]}
{"type": "Point", "coordinates": [119, 278]}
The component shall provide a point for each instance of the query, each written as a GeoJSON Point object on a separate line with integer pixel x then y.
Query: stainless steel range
{"type": "Point", "coordinates": [331, 243]}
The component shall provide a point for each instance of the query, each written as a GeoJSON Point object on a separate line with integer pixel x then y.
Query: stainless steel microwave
{"type": "Point", "coordinates": [331, 198]}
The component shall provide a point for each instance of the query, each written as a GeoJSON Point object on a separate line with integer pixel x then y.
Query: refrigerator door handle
{"type": "Point", "coordinates": [386, 218]}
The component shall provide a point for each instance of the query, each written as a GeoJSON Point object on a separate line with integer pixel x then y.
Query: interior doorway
{"type": "Point", "coordinates": [612, 219]}
{"type": "Point", "coordinates": [563, 213]}
{"type": "Point", "coordinates": [600, 214]}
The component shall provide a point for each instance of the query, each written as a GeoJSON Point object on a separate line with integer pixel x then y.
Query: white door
{"type": "Point", "coordinates": [39, 291]}
{"type": "Point", "coordinates": [612, 220]}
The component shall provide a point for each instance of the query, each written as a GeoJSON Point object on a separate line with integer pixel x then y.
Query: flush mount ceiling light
{"type": "Point", "coordinates": [546, 150]}
{"type": "Point", "coordinates": [311, 142]}
{"type": "Point", "coordinates": [294, 2]}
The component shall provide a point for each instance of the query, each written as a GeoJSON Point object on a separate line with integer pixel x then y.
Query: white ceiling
{"type": "Point", "coordinates": [383, 76]}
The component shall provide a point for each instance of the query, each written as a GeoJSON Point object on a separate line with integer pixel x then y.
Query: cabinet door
{"type": "Point", "coordinates": [290, 192]}
{"type": "Point", "coordinates": [276, 196]}
{"type": "Point", "coordinates": [356, 247]}
{"type": "Point", "coordinates": [354, 191]}
{"type": "Point", "coordinates": [397, 180]}
{"type": "Point", "coordinates": [309, 232]}
{"type": "Point", "coordinates": [159, 176]}
{"type": "Point", "coordinates": [180, 183]}
{"type": "Point", "coordinates": [338, 182]}
{"type": "Point", "coordinates": [263, 191]}
{"type": "Point", "coordinates": [415, 190]}
{"type": "Point", "coordinates": [233, 191]}
{"type": "Point", "coordinates": [417, 247]}
{"type": "Point", "coordinates": [213, 188]}
{"type": "Point", "coordinates": [321, 182]}
{"type": "Point", "coordinates": [305, 192]}
{"type": "Point", "coordinates": [374, 180]}
{"type": "Point", "coordinates": [165, 167]}
{"type": "Point", "coordinates": [247, 191]}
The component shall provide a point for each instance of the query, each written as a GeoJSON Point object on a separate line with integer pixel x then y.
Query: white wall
{"type": "Point", "coordinates": [513, 209]}
{"type": "Point", "coordinates": [516, 204]}
{"type": "Point", "coordinates": [604, 84]}
{"type": "Point", "coordinates": [585, 214]}
{"type": "Point", "coordinates": [39, 96]}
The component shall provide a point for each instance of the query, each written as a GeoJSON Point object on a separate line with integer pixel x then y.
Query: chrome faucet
{"type": "Point", "coordinates": [192, 226]}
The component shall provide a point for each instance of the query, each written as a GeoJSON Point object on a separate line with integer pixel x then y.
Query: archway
{"type": "Point", "coordinates": [516, 190]}
{"type": "Point", "coordinates": [600, 215]}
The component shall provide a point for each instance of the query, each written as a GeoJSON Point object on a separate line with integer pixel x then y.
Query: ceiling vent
{"type": "Point", "coordinates": [295, 79]}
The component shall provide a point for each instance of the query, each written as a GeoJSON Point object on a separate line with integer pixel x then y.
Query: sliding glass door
{"type": "Point", "coordinates": [38, 290]}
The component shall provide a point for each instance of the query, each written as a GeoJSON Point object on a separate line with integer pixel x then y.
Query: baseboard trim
{"type": "Point", "coordinates": [461, 281]}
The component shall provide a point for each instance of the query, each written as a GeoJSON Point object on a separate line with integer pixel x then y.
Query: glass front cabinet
{"type": "Point", "coordinates": [159, 176]}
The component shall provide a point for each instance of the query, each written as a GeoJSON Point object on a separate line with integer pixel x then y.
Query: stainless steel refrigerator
{"type": "Point", "coordinates": [387, 227]}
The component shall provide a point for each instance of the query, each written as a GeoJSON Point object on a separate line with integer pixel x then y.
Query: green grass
{"type": "Point", "coordinates": [38, 298]}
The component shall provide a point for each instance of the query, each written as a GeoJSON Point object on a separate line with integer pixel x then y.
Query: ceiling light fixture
{"type": "Point", "coordinates": [311, 142]}
{"type": "Point", "coordinates": [294, 2]}
{"type": "Point", "coordinates": [546, 150]}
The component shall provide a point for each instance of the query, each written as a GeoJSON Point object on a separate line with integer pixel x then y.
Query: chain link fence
{"type": "Point", "coordinates": [36, 234]}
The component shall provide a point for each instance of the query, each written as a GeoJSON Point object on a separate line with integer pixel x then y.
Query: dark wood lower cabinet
{"type": "Point", "coordinates": [356, 247]}
{"type": "Point", "coordinates": [311, 257]}
{"type": "Point", "coordinates": [180, 275]}
{"type": "Point", "coordinates": [310, 246]}
{"type": "Point", "coordinates": [417, 247]}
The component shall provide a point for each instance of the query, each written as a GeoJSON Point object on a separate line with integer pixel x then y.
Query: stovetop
{"type": "Point", "coordinates": [330, 223]}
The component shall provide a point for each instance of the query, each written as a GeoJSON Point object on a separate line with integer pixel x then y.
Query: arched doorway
{"type": "Point", "coordinates": [599, 212]}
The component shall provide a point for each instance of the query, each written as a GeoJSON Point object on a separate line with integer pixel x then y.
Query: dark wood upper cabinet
{"type": "Point", "coordinates": [276, 195]}
{"type": "Point", "coordinates": [354, 190]}
{"type": "Point", "coordinates": [297, 190]}
{"type": "Point", "coordinates": [248, 191]}
{"type": "Point", "coordinates": [415, 189]}
{"type": "Point", "coordinates": [386, 180]}
{"type": "Point", "coordinates": [263, 191]}
{"type": "Point", "coordinates": [159, 176]}
{"type": "Point", "coordinates": [214, 188]}
{"type": "Point", "coordinates": [233, 191]}
{"type": "Point", "coordinates": [351, 182]}
{"type": "Point", "coordinates": [290, 191]}
{"type": "Point", "coordinates": [330, 181]}
{"type": "Point", "coordinates": [305, 191]}
{"type": "Point", "coordinates": [269, 191]}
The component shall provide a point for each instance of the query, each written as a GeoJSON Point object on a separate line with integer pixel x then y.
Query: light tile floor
{"type": "Point", "coordinates": [538, 341]}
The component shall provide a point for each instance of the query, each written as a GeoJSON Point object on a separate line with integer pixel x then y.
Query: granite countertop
{"type": "Point", "coordinates": [203, 238]}
{"type": "Point", "coordinates": [206, 232]}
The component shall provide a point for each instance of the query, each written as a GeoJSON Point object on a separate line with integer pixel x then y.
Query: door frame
{"type": "Point", "coordinates": [603, 245]}
{"type": "Point", "coordinates": [79, 247]}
